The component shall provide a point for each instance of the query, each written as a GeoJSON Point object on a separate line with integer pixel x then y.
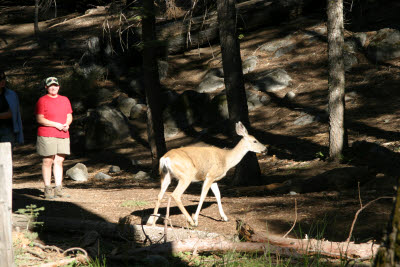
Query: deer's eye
{"type": "Point", "coordinates": [254, 141]}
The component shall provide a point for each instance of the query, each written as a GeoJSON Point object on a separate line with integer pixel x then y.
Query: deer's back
{"type": "Point", "coordinates": [197, 161]}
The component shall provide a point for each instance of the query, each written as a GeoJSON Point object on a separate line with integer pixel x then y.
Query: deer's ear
{"type": "Point", "coordinates": [240, 129]}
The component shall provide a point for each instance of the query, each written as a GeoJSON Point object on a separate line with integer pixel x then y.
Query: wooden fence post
{"type": "Point", "coordinates": [6, 248]}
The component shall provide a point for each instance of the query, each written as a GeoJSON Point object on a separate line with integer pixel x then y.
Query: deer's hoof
{"type": "Point", "coordinates": [194, 223]}
{"type": "Point", "coordinates": [152, 219]}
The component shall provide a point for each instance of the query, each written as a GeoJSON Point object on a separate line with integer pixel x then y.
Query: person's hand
{"type": "Point", "coordinates": [59, 126]}
{"type": "Point", "coordinates": [65, 127]}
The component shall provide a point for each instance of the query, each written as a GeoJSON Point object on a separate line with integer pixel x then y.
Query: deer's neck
{"type": "Point", "coordinates": [236, 154]}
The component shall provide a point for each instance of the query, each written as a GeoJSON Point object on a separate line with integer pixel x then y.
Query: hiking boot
{"type": "Point", "coordinates": [48, 192]}
{"type": "Point", "coordinates": [58, 192]}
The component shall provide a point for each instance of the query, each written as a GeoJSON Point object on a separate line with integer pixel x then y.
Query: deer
{"type": "Point", "coordinates": [202, 164]}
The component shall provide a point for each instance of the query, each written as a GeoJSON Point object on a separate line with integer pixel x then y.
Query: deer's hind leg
{"type": "Point", "coordinates": [177, 194]}
{"type": "Point", "coordinates": [206, 186]}
{"type": "Point", "coordinates": [166, 180]}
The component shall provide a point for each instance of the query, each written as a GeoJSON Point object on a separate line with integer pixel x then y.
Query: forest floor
{"type": "Point", "coordinates": [326, 210]}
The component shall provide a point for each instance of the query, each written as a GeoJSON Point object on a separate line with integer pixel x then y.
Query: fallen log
{"type": "Point", "coordinates": [197, 245]}
{"type": "Point", "coordinates": [125, 229]}
{"type": "Point", "coordinates": [78, 259]}
{"type": "Point", "coordinates": [348, 250]}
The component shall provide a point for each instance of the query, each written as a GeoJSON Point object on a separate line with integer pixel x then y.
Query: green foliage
{"type": "Point", "coordinates": [32, 211]}
{"type": "Point", "coordinates": [134, 203]}
{"type": "Point", "coordinates": [98, 262]}
{"type": "Point", "coordinates": [320, 155]}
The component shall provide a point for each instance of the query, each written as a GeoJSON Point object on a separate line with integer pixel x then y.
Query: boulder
{"type": "Point", "coordinates": [385, 45]}
{"type": "Point", "coordinates": [249, 64]}
{"type": "Point", "coordinates": [102, 176]}
{"type": "Point", "coordinates": [272, 81]}
{"type": "Point", "coordinates": [78, 173]}
{"type": "Point", "coordinates": [105, 126]}
{"type": "Point", "coordinates": [277, 44]}
{"type": "Point", "coordinates": [138, 111]}
{"type": "Point", "coordinates": [212, 81]}
{"type": "Point", "coordinates": [126, 105]}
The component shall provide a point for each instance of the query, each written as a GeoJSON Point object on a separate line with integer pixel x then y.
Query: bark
{"type": "Point", "coordinates": [336, 80]}
{"type": "Point", "coordinates": [36, 22]}
{"type": "Point", "coordinates": [155, 126]}
{"type": "Point", "coordinates": [247, 172]}
{"type": "Point", "coordinates": [389, 253]}
{"type": "Point", "coordinates": [330, 249]}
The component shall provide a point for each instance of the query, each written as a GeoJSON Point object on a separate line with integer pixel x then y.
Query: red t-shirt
{"type": "Point", "coordinates": [53, 109]}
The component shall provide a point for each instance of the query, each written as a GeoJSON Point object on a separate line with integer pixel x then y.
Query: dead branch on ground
{"type": "Point", "coordinates": [348, 250]}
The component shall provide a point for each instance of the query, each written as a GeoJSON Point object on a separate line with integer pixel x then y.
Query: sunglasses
{"type": "Point", "coordinates": [52, 81]}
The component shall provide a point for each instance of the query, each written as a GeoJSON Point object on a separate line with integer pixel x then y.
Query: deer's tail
{"type": "Point", "coordinates": [165, 166]}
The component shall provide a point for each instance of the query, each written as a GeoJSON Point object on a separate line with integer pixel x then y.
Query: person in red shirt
{"type": "Point", "coordinates": [54, 115]}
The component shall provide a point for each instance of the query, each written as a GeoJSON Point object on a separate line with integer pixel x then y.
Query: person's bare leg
{"type": "Point", "coordinates": [47, 162]}
{"type": "Point", "coordinates": [58, 169]}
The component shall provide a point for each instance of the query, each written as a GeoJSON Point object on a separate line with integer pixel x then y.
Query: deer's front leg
{"type": "Point", "coordinates": [217, 194]}
{"type": "Point", "coordinates": [206, 186]}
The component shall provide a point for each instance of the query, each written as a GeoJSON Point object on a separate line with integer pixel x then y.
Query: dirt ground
{"type": "Point", "coordinates": [293, 155]}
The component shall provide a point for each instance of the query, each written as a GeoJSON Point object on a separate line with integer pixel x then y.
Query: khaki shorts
{"type": "Point", "coordinates": [49, 146]}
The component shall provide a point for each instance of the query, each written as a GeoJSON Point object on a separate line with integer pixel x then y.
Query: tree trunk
{"type": "Point", "coordinates": [389, 252]}
{"type": "Point", "coordinates": [155, 126]}
{"type": "Point", "coordinates": [247, 172]}
{"type": "Point", "coordinates": [36, 22]}
{"type": "Point", "coordinates": [337, 132]}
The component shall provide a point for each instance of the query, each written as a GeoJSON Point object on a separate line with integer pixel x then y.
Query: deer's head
{"type": "Point", "coordinates": [251, 142]}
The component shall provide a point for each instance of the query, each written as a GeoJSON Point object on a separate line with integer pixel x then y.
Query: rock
{"type": "Point", "coordinates": [126, 105]}
{"type": "Point", "coordinates": [304, 120]}
{"type": "Point", "coordinates": [360, 38]}
{"type": "Point", "coordinates": [103, 95]}
{"type": "Point", "coordinates": [105, 126]}
{"type": "Point", "coordinates": [136, 87]}
{"type": "Point", "coordinates": [275, 45]}
{"type": "Point", "coordinates": [350, 96]}
{"type": "Point", "coordinates": [141, 175]}
{"type": "Point", "coordinates": [272, 81]}
{"type": "Point", "coordinates": [256, 100]}
{"type": "Point", "coordinates": [136, 162]}
{"type": "Point", "coordinates": [385, 45]}
{"type": "Point", "coordinates": [138, 111]}
{"type": "Point", "coordinates": [284, 50]}
{"type": "Point", "coordinates": [350, 60]}
{"type": "Point", "coordinates": [212, 81]}
{"type": "Point", "coordinates": [114, 169]}
{"type": "Point", "coordinates": [93, 45]}
{"type": "Point", "coordinates": [290, 95]}
{"type": "Point", "coordinates": [189, 108]}
{"type": "Point", "coordinates": [220, 105]}
{"type": "Point", "coordinates": [249, 64]}
{"type": "Point", "coordinates": [77, 106]}
{"type": "Point", "coordinates": [78, 173]}
{"type": "Point", "coordinates": [102, 176]}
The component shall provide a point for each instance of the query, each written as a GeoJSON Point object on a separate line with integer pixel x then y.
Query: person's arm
{"type": "Point", "coordinates": [5, 115]}
{"type": "Point", "coordinates": [68, 123]}
{"type": "Point", "coordinates": [45, 122]}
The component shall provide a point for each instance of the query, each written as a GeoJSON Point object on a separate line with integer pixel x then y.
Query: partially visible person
{"type": "Point", "coordinates": [54, 115]}
{"type": "Point", "coordinates": [10, 116]}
